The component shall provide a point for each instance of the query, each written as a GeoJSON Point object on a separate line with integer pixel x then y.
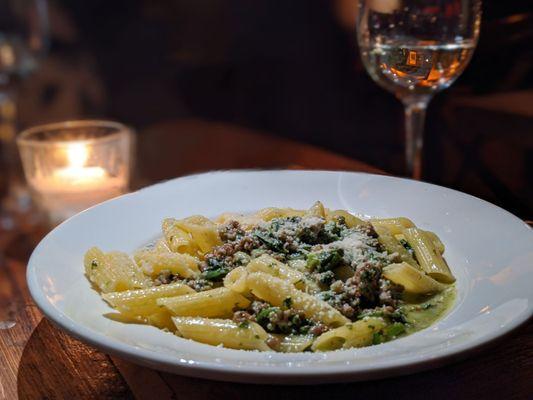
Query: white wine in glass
{"type": "Point", "coordinates": [414, 48]}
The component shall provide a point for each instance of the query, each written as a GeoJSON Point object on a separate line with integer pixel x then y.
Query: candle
{"type": "Point", "coordinates": [68, 176]}
{"type": "Point", "coordinates": [76, 176]}
{"type": "Point", "coordinates": [73, 188]}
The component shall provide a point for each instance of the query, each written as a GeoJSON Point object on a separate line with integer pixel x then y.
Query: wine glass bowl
{"type": "Point", "coordinates": [419, 69]}
{"type": "Point", "coordinates": [415, 48]}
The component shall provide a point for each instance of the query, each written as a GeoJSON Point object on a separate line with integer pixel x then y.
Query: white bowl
{"type": "Point", "coordinates": [489, 250]}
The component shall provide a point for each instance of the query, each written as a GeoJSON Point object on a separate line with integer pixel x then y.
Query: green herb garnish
{"type": "Point", "coordinates": [270, 241]}
{"type": "Point", "coordinates": [388, 333]}
{"type": "Point", "coordinates": [378, 338]}
{"type": "Point", "coordinates": [394, 330]}
{"type": "Point", "coordinates": [325, 260]}
{"type": "Point", "coordinates": [215, 274]}
{"type": "Point", "coordinates": [263, 317]}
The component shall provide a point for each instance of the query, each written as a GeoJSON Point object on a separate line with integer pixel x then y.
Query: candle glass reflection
{"type": "Point", "coordinates": [71, 166]}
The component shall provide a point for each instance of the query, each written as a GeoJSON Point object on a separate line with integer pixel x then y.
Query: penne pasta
{"type": "Point", "coordinates": [271, 266]}
{"type": "Point", "coordinates": [202, 230]}
{"type": "Point", "coordinates": [294, 343]}
{"type": "Point", "coordinates": [178, 240]}
{"type": "Point", "coordinates": [278, 292]}
{"type": "Point", "coordinates": [248, 336]}
{"type": "Point", "coordinates": [429, 258]}
{"type": "Point", "coordinates": [113, 272]}
{"type": "Point", "coordinates": [355, 334]}
{"type": "Point", "coordinates": [392, 245]}
{"type": "Point", "coordinates": [143, 301]}
{"type": "Point", "coordinates": [268, 214]}
{"type": "Point", "coordinates": [161, 319]}
{"type": "Point", "coordinates": [153, 262]}
{"type": "Point", "coordinates": [218, 302]}
{"type": "Point", "coordinates": [236, 281]}
{"type": "Point", "coordinates": [317, 210]}
{"type": "Point", "coordinates": [439, 246]}
{"type": "Point", "coordinates": [161, 246]}
{"type": "Point", "coordinates": [437, 243]}
{"type": "Point", "coordinates": [351, 220]}
{"type": "Point", "coordinates": [412, 279]}
{"type": "Point", "coordinates": [394, 225]}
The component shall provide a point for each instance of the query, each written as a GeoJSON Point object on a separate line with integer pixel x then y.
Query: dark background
{"type": "Point", "coordinates": [291, 68]}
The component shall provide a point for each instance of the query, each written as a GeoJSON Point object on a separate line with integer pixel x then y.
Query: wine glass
{"type": "Point", "coordinates": [415, 48]}
{"type": "Point", "coordinates": [23, 41]}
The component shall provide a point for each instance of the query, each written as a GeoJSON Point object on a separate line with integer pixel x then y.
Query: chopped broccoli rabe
{"type": "Point", "coordinates": [388, 333]}
{"type": "Point", "coordinates": [325, 260]}
{"type": "Point", "coordinates": [269, 241]}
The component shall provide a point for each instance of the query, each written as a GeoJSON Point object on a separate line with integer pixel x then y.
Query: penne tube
{"type": "Point", "coordinates": [294, 343]}
{"type": "Point", "coordinates": [143, 301]}
{"type": "Point", "coordinates": [218, 302]}
{"type": "Point", "coordinates": [153, 262]}
{"type": "Point", "coordinates": [394, 225]}
{"type": "Point", "coordinates": [281, 293]}
{"type": "Point", "coordinates": [236, 280]}
{"type": "Point", "coordinates": [354, 334]}
{"type": "Point", "coordinates": [351, 220]}
{"type": "Point", "coordinates": [243, 336]}
{"type": "Point", "coordinates": [113, 272]}
{"type": "Point", "coordinates": [271, 266]}
{"type": "Point", "coordinates": [392, 245]}
{"type": "Point", "coordinates": [160, 319]}
{"type": "Point", "coordinates": [412, 279]}
{"type": "Point", "coordinates": [317, 210]}
{"type": "Point", "coordinates": [204, 232]}
{"type": "Point", "coordinates": [268, 214]}
{"type": "Point", "coordinates": [430, 260]}
{"type": "Point", "coordinates": [178, 240]}
{"type": "Point", "coordinates": [161, 246]}
{"type": "Point", "coordinates": [437, 243]}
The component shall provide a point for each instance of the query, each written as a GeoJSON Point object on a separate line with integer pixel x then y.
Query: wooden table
{"type": "Point", "coordinates": [38, 361]}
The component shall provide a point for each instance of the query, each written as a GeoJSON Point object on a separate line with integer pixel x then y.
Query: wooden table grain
{"type": "Point", "coordinates": [39, 361]}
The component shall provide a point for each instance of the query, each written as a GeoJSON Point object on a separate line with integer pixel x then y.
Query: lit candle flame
{"type": "Point", "coordinates": [77, 173]}
{"type": "Point", "coordinates": [77, 155]}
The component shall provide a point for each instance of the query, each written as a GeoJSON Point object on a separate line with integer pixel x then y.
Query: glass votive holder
{"type": "Point", "coordinates": [70, 166]}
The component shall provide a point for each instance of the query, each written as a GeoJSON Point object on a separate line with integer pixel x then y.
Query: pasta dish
{"type": "Point", "coordinates": [281, 280]}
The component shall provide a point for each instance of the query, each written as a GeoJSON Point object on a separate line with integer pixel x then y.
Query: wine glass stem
{"type": "Point", "coordinates": [415, 115]}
